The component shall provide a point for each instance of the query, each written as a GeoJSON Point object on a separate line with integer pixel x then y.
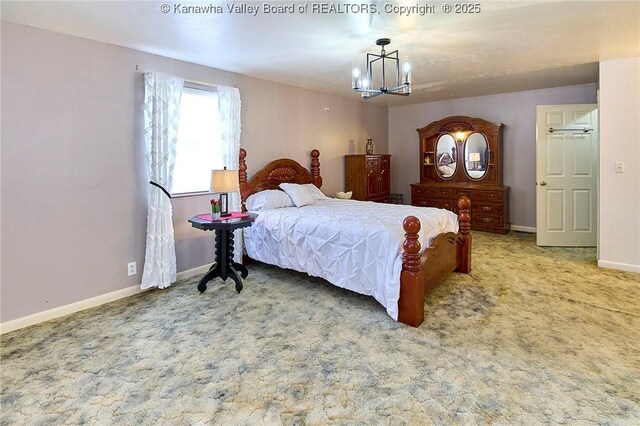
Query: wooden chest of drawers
{"type": "Point", "coordinates": [368, 177]}
{"type": "Point", "coordinates": [489, 205]}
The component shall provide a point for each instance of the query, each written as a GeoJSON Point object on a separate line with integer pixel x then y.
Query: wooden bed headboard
{"type": "Point", "coordinates": [276, 172]}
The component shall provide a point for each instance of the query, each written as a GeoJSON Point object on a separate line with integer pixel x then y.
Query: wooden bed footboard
{"type": "Point", "coordinates": [421, 273]}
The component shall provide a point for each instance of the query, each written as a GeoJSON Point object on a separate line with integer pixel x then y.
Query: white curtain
{"type": "Point", "coordinates": [162, 95]}
{"type": "Point", "coordinates": [229, 110]}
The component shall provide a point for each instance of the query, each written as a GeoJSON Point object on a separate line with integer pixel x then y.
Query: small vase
{"type": "Point", "coordinates": [215, 216]}
{"type": "Point", "coordinates": [369, 147]}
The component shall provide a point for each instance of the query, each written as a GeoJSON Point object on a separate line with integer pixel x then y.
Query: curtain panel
{"type": "Point", "coordinates": [162, 94]}
{"type": "Point", "coordinates": [229, 110]}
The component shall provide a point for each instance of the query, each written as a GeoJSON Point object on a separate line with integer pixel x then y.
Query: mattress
{"type": "Point", "coordinates": [355, 245]}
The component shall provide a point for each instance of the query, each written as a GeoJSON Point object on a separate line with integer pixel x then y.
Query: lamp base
{"type": "Point", "coordinates": [224, 204]}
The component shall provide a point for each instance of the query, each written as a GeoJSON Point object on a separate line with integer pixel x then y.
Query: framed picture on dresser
{"type": "Point", "coordinates": [463, 156]}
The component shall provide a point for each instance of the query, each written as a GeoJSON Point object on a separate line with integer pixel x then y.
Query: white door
{"type": "Point", "coordinates": [566, 174]}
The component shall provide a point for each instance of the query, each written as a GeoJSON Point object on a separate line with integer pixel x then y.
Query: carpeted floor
{"type": "Point", "coordinates": [533, 335]}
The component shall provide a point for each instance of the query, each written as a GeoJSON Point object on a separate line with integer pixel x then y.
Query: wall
{"type": "Point", "coordinates": [517, 111]}
{"type": "Point", "coordinates": [619, 222]}
{"type": "Point", "coordinates": [74, 181]}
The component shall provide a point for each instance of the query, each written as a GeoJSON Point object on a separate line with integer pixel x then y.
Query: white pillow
{"type": "Point", "coordinates": [315, 191]}
{"type": "Point", "coordinates": [446, 171]}
{"type": "Point", "coordinates": [268, 199]}
{"type": "Point", "coordinates": [299, 194]}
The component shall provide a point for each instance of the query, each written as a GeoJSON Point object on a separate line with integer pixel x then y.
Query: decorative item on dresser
{"type": "Point", "coordinates": [463, 156]}
{"type": "Point", "coordinates": [369, 177]}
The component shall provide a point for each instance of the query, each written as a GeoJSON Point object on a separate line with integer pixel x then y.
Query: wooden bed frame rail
{"type": "Point", "coordinates": [421, 273]}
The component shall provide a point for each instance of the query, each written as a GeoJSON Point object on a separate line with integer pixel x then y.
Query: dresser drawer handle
{"type": "Point", "coordinates": [487, 219]}
{"type": "Point", "coordinates": [486, 208]}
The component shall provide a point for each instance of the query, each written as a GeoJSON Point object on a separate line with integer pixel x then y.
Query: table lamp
{"type": "Point", "coordinates": [223, 182]}
{"type": "Point", "coordinates": [475, 157]}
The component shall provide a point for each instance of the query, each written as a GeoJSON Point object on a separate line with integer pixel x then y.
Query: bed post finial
{"type": "Point", "coordinates": [412, 290]}
{"type": "Point", "coordinates": [242, 178]}
{"type": "Point", "coordinates": [315, 168]}
{"type": "Point", "coordinates": [411, 245]}
{"type": "Point", "coordinates": [242, 173]}
{"type": "Point", "coordinates": [464, 221]}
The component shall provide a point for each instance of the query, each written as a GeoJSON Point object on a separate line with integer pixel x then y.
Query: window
{"type": "Point", "coordinates": [198, 148]}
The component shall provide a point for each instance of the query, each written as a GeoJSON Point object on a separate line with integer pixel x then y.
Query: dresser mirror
{"type": "Point", "coordinates": [476, 154]}
{"type": "Point", "coordinates": [446, 156]}
{"type": "Point", "coordinates": [462, 155]}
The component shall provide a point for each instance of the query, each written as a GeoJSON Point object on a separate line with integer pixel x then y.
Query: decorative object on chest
{"type": "Point", "coordinates": [369, 147]}
{"type": "Point", "coordinates": [463, 156]}
{"type": "Point", "coordinates": [368, 177]}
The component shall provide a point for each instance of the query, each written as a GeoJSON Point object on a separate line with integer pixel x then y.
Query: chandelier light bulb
{"type": "Point", "coordinates": [406, 68]}
{"type": "Point", "coordinates": [355, 74]}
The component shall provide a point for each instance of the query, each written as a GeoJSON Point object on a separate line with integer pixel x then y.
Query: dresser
{"type": "Point", "coordinates": [489, 206]}
{"type": "Point", "coordinates": [463, 156]}
{"type": "Point", "coordinates": [368, 176]}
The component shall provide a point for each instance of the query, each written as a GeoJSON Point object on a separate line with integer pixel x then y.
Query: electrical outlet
{"type": "Point", "coordinates": [131, 268]}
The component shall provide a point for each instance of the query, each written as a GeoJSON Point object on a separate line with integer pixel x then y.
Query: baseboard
{"type": "Point", "coordinates": [193, 272]}
{"type": "Point", "coordinates": [529, 229]}
{"type": "Point", "coordinates": [71, 308]}
{"type": "Point", "coordinates": [616, 265]}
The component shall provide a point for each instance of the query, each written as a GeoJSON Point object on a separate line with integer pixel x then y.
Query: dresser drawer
{"type": "Point", "coordinates": [431, 192]}
{"type": "Point", "coordinates": [485, 220]}
{"type": "Point", "coordinates": [448, 204]}
{"type": "Point", "coordinates": [484, 208]}
{"type": "Point", "coordinates": [439, 192]}
{"type": "Point", "coordinates": [464, 193]}
{"type": "Point", "coordinates": [423, 202]}
{"type": "Point", "coordinates": [418, 191]}
{"type": "Point", "coordinates": [488, 196]}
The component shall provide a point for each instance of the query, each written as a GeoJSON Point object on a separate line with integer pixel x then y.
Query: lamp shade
{"type": "Point", "coordinates": [474, 156]}
{"type": "Point", "coordinates": [224, 181]}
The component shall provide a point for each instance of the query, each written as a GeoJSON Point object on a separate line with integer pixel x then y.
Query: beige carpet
{"type": "Point", "coordinates": [532, 336]}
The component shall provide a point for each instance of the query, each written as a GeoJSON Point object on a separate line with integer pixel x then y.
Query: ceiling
{"type": "Point", "coordinates": [508, 46]}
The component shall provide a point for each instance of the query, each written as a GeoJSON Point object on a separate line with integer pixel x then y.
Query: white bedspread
{"type": "Point", "coordinates": [352, 244]}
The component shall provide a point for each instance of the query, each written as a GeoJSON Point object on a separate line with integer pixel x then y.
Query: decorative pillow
{"type": "Point", "coordinates": [298, 193]}
{"type": "Point", "coordinates": [446, 171]}
{"type": "Point", "coordinates": [268, 199]}
{"type": "Point", "coordinates": [315, 191]}
{"type": "Point", "coordinates": [445, 159]}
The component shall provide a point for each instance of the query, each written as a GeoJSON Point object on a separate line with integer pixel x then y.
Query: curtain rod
{"type": "Point", "coordinates": [191, 82]}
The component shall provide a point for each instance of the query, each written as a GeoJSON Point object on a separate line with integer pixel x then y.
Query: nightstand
{"type": "Point", "coordinates": [224, 266]}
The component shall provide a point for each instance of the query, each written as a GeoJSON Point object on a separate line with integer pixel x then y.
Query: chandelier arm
{"type": "Point", "coordinates": [372, 96]}
{"type": "Point", "coordinates": [397, 93]}
{"type": "Point", "coordinates": [369, 91]}
{"type": "Point", "coordinates": [395, 89]}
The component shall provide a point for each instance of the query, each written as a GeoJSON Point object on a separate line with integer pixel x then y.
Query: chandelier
{"type": "Point", "coordinates": [363, 79]}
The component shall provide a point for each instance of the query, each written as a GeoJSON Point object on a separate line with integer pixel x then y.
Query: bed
{"type": "Point", "coordinates": [386, 261]}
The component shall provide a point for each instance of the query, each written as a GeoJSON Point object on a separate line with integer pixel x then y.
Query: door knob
{"type": "Point", "coordinates": [543, 183]}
